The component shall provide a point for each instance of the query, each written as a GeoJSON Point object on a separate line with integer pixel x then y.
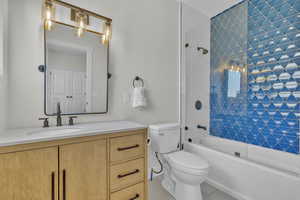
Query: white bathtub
{"type": "Point", "coordinates": [247, 180]}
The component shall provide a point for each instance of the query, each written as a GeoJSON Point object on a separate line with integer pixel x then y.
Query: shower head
{"type": "Point", "coordinates": [204, 51]}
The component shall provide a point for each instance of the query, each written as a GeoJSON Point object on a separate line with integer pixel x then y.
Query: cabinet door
{"type": "Point", "coordinates": [29, 175]}
{"type": "Point", "coordinates": [83, 171]}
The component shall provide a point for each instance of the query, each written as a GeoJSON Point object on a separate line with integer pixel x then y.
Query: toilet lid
{"type": "Point", "coordinates": [188, 160]}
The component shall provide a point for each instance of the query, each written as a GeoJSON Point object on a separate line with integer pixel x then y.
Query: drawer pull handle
{"type": "Point", "coordinates": [64, 185]}
{"type": "Point", "coordinates": [131, 173]}
{"type": "Point", "coordinates": [136, 197]}
{"type": "Point", "coordinates": [127, 148]}
{"type": "Point", "coordinates": [53, 185]}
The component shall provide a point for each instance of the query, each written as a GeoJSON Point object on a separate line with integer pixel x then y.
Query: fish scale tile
{"type": "Point", "coordinates": [263, 35]}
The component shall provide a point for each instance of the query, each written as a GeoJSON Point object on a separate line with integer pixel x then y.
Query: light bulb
{"type": "Point", "coordinates": [81, 24]}
{"type": "Point", "coordinates": [80, 32]}
{"type": "Point", "coordinates": [106, 37]}
{"type": "Point", "coordinates": [48, 25]}
{"type": "Point", "coordinates": [49, 15]}
{"type": "Point", "coordinates": [104, 40]}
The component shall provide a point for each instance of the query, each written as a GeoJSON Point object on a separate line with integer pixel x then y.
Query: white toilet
{"type": "Point", "coordinates": [187, 170]}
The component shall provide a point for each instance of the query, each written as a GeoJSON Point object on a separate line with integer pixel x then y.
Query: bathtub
{"type": "Point", "coordinates": [245, 179]}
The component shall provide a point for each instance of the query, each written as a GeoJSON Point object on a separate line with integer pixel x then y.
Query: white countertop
{"type": "Point", "coordinates": [32, 135]}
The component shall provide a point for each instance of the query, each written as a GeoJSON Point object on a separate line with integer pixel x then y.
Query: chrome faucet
{"type": "Point", "coordinates": [58, 115]}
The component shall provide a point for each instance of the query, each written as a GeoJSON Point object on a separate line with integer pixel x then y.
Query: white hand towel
{"type": "Point", "coordinates": [138, 97]}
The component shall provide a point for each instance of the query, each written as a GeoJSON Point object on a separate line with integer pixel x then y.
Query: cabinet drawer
{"type": "Point", "coordinates": [126, 174]}
{"type": "Point", "coordinates": [136, 192]}
{"type": "Point", "coordinates": [123, 148]}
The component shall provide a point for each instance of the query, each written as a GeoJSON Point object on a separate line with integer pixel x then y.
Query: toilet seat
{"type": "Point", "coordinates": [188, 162]}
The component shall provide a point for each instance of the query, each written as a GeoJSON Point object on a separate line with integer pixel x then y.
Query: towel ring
{"type": "Point", "coordinates": [137, 79]}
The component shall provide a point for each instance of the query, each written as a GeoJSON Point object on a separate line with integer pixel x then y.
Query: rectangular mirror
{"type": "Point", "coordinates": [76, 72]}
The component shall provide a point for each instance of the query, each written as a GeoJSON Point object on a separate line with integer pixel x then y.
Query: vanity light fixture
{"type": "Point", "coordinates": [81, 20]}
{"type": "Point", "coordinates": [49, 15]}
{"type": "Point", "coordinates": [236, 66]}
{"type": "Point", "coordinates": [237, 69]}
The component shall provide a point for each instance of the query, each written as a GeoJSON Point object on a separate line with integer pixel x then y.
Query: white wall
{"type": "Point", "coordinates": [196, 32]}
{"type": "Point", "coordinates": [145, 35]}
{"type": "Point", "coordinates": [196, 28]}
{"type": "Point", "coordinates": [62, 60]}
{"type": "Point", "coordinates": [3, 9]}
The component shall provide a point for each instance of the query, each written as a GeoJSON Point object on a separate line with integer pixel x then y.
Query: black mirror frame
{"type": "Point", "coordinates": [45, 83]}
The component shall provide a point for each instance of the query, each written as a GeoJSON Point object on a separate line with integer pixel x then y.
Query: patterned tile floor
{"type": "Point", "coordinates": [209, 193]}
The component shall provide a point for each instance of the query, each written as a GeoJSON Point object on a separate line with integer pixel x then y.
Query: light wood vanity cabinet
{"type": "Point", "coordinates": [102, 167]}
{"type": "Point", "coordinates": [29, 175]}
{"type": "Point", "coordinates": [123, 148]}
{"type": "Point", "coordinates": [126, 174]}
{"type": "Point", "coordinates": [130, 193]}
{"type": "Point", "coordinates": [128, 167]}
{"type": "Point", "coordinates": [84, 172]}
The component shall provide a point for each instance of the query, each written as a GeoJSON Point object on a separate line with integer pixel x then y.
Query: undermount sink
{"type": "Point", "coordinates": [60, 131]}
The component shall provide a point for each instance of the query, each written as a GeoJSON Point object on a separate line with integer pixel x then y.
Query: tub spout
{"type": "Point", "coordinates": [201, 127]}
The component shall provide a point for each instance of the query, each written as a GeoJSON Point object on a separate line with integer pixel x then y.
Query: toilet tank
{"type": "Point", "coordinates": [165, 138]}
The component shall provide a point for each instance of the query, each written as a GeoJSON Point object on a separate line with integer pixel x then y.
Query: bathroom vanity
{"type": "Point", "coordinates": [99, 161]}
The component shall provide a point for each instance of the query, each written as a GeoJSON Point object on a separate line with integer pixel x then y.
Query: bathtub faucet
{"type": "Point", "coordinates": [201, 127]}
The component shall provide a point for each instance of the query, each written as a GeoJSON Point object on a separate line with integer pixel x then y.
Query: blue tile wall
{"type": "Point", "coordinates": [261, 40]}
{"type": "Point", "coordinates": [228, 46]}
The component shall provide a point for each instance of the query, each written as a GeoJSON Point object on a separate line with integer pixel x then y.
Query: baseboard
{"type": "Point", "coordinates": [227, 190]}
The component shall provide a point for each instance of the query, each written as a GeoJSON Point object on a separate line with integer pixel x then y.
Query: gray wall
{"type": "Point", "coordinates": [2, 64]}
{"type": "Point", "coordinates": [145, 35]}
{"type": "Point", "coordinates": [61, 60]}
{"type": "Point", "coordinates": [196, 70]}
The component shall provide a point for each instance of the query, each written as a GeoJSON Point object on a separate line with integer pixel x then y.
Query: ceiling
{"type": "Point", "coordinates": [211, 7]}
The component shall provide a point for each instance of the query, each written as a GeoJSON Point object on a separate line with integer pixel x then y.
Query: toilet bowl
{"type": "Point", "coordinates": [188, 171]}
{"type": "Point", "coordinates": [184, 171]}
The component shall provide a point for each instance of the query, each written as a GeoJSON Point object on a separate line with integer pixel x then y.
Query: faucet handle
{"type": "Point", "coordinates": [45, 123]}
{"type": "Point", "coordinates": [71, 120]}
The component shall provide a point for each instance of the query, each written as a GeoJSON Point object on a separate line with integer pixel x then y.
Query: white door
{"type": "Point", "coordinates": [58, 86]}
{"type": "Point", "coordinates": [78, 92]}
{"type": "Point", "coordinates": [68, 88]}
